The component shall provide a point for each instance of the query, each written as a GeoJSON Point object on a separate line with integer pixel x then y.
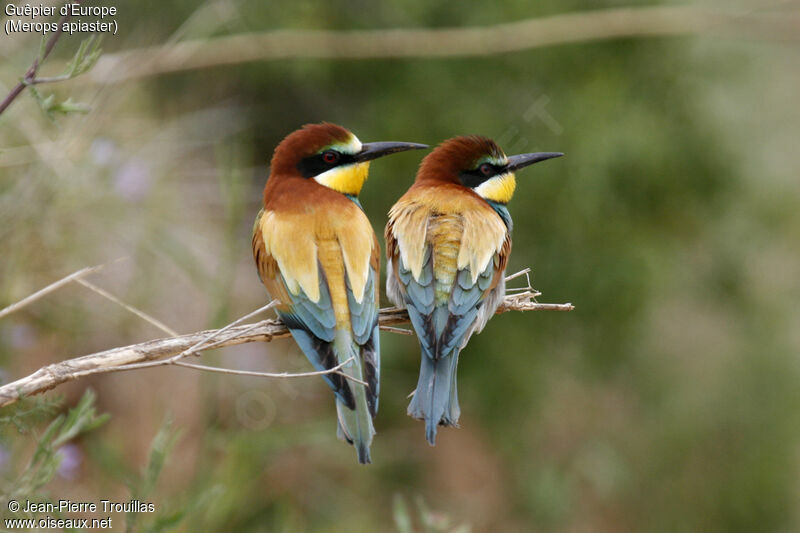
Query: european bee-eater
{"type": "Point", "coordinates": [318, 256]}
{"type": "Point", "coordinates": [447, 241]}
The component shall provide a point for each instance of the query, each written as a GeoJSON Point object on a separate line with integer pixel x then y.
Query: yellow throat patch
{"type": "Point", "coordinates": [347, 179]}
{"type": "Point", "coordinates": [499, 188]}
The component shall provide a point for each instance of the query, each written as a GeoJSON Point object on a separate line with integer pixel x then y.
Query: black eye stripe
{"type": "Point", "coordinates": [315, 165]}
{"type": "Point", "coordinates": [474, 177]}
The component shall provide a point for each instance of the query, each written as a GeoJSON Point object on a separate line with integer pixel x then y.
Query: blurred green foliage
{"type": "Point", "coordinates": [48, 455]}
{"type": "Point", "coordinates": [667, 401]}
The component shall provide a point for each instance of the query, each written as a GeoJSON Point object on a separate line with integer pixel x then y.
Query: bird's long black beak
{"type": "Point", "coordinates": [370, 151]}
{"type": "Point", "coordinates": [516, 162]}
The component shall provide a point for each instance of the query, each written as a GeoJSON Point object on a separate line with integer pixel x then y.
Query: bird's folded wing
{"type": "Point", "coordinates": [312, 322]}
{"type": "Point", "coordinates": [364, 313]}
{"type": "Point", "coordinates": [442, 329]}
{"type": "Point", "coordinates": [313, 318]}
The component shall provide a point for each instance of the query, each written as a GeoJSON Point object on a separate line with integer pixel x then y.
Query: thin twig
{"type": "Point", "coordinates": [526, 34]}
{"type": "Point", "coordinates": [77, 275]}
{"type": "Point", "coordinates": [141, 314]}
{"type": "Point", "coordinates": [401, 331]}
{"type": "Point", "coordinates": [522, 272]}
{"type": "Point", "coordinates": [30, 75]}
{"type": "Point", "coordinates": [222, 341]}
{"type": "Point", "coordinates": [203, 343]}
{"type": "Point", "coordinates": [334, 370]}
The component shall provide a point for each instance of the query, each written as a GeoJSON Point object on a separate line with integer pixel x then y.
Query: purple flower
{"type": "Point", "coordinates": [71, 459]}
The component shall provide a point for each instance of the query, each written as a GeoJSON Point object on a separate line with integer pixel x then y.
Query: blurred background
{"type": "Point", "coordinates": [669, 400]}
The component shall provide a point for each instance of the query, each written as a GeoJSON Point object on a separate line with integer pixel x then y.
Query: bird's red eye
{"type": "Point", "coordinates": [330, 157]}
{"type": "Point", "coordinates": [486, 169]}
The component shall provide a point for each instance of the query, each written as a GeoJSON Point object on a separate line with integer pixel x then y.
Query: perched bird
{"type": "Point", "coordinates": [318, 256]}
{"type": "Point", "coordinates": [447, 241]}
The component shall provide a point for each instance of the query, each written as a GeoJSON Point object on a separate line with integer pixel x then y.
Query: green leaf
{"type": "Point", "coordinates": [80, 418]}
{"type": "Point", "coordinates": [86, 56]}
{"type": "Point", "coordinates": [159, 450]}
{"type": "Point", "coordinates": [68, 106]}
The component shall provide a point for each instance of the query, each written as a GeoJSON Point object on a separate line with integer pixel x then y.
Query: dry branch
{"type": "Point", "coordinates": [157, 352]}
{"type": "Point", "coordinates": [448, 42]}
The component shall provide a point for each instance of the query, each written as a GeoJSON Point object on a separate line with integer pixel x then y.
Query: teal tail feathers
{"type": "Point", "coordinates": [355, 429]}
{"type": "Point", "coordinates": [355, 425]}
{"type": "Point", "coordinates": [436, 397]}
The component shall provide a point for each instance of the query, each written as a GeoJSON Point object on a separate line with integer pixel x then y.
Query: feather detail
{"type": "Point", "coordinates": [483, 232]}
{"type": "Point", "coordinates": [483, 238]}
{"type": "Point", "coordinates": [357, 251]}
{"type": "Point", "coordinates": [267, 266]}
{"type": "Point", "coordinates": [292, 233]}
{"type": "Point", "coordinates": [296, 256]}
{"type": "Point", "coordinates": [410, 222]}
{"type": "Point", "coordinates": [330, 260]}
{"type": "Point", "coordinates": [445, 238]}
